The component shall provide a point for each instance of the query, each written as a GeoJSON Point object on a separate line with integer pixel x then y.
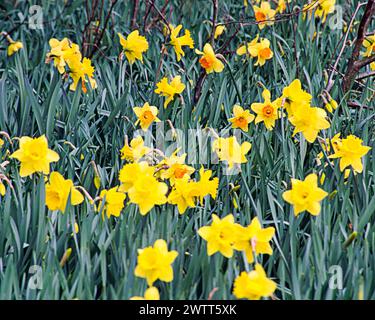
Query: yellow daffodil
{"type": "Point", "coordinates": [146, 115]}
{"type": "Point", "coordinates": [135, 151]}
{"type": "Point", "coordinates": [219, 31]}
{"type": "Point", "coordinates": [151, 293]}
{"type": "Point", "coordinates": [309, 121]}
{"type": "Point", "coordinates": [2, 188]}
{"type": "Point", "coordinates": [372, 66]}
{"type": "Point", "coordinates": [169, 90]}
{"type": "Point", "coordinates": [260, 50]}
{"type": "Point", "coordinates": [264, 14]}
{"type": "Point", "coordinates": [78, 71]}
{"type": "Point", "coordinates": [324, 8]}
{"type": "Point", "coordinates": [155, 263]}
{"type": "Point", "coordinates": [174, 168]}
{"type": "Point", "coordinates": [209, 61]}
{"type": "Point", "coordinates": [206, 185]}
{"type": "Point", "coordinates": [229, 150]}
{"type": "Point", "coordinates": [350, 151]}
{"type": "Point", "coordinates": [267, 111]}
{"type": "Point", "coordinates": [112, 202]}
{"type": "Point", "coordinates": [249, 48]}
{"type": "Point", "coordinates": [183, 194]}
{"type": "Point", "coordinates": [305, 195]}
{"type": "Point", "coordinates": [179, 42]}
{"type": "Point", "coordinates": [220, 235]}
{"type": "Point", "coordinates": [134, 46]}
{"type": "Point", "coordinates": [254, 238]}
{"type": "Point", "coordinates": [241, 118]}
{"type": "Point", "coordinates": [369, 44]}
{"type": "Point", "coordinates": [263, 52]}
{"type": "Point", "coordinates": [130, 173]}
{"type": "Point", "coordinates": [63, 53]}
{"type": "Point", "coordinates": [294, 96]}
{"type": "Point", "coordinates": [34, 155]}
{"type": "Point", "coordinates": [58, 191]}
{"type": "Point", "coordinates": [147, 192]}
{"type": "Point", "coordinates": [14, 47]}
{"type": "Point", "coordinates": [253, 285]}
{"type": "Point", "coordinates": [282, 5]}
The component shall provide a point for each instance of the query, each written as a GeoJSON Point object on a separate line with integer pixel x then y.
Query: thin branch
{"type": "Point", "coordinates": [365, 75]}
{"type": "Point", "coordinates": [214, 18]}
{"type": "Point", "coordinates": [354, 65]}
{"type": "Point", "coordinates": [330, 80]}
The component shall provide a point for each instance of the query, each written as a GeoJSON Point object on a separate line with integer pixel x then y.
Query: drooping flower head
{"type": "Point", "coordinates": [14, 47]}
{"type": "Point", "coordinates": [179, 42]}
{"type": "Point", "coordinates": [58, 191]}
{"type": "Point", "coordinates": [79, 70]}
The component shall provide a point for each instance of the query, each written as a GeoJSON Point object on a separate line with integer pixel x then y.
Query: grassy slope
{"type": "Point", "coordinates": [34, 101]}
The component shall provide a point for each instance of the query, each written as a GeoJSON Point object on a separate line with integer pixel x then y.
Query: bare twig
{"type": "Point", "coordinates": [354, 63]}
{"type": "Point", "coordinates": [330, 79]}
{"type": "Point", "coordinates": [365, 75]}
{"type": "Point", "coordinates": [214, 18]}
{"type": "Point", "coordinates": [134, 16]}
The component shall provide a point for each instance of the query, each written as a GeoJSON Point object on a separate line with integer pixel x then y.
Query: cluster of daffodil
{"type": "Point", "coordinates": [149, 178]}
{"type": "Point", "coordinates": [295, 101]}
{"type": "Point", "coordinates": [225, 236]}
{"type": "Point", "coordinates": [149, 181]}
{"type": "Point", "coordinates": [67, 58]}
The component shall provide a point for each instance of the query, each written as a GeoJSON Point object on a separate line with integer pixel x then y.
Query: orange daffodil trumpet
{"type": "Point", "coordinates": [268, 111]}
{"type": "Point", "coordinates": [209, 60]}
{"type": "Point", "coordinates": [256, 48]}
{"type": "Point", "coordinates": [264, 14]}
{"type": "Point", "coordinates": [134, 46]}
{"type": "Point", "coordinates": [146, 115]}
{"type": "Point", "coordinates": [241, 118]}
